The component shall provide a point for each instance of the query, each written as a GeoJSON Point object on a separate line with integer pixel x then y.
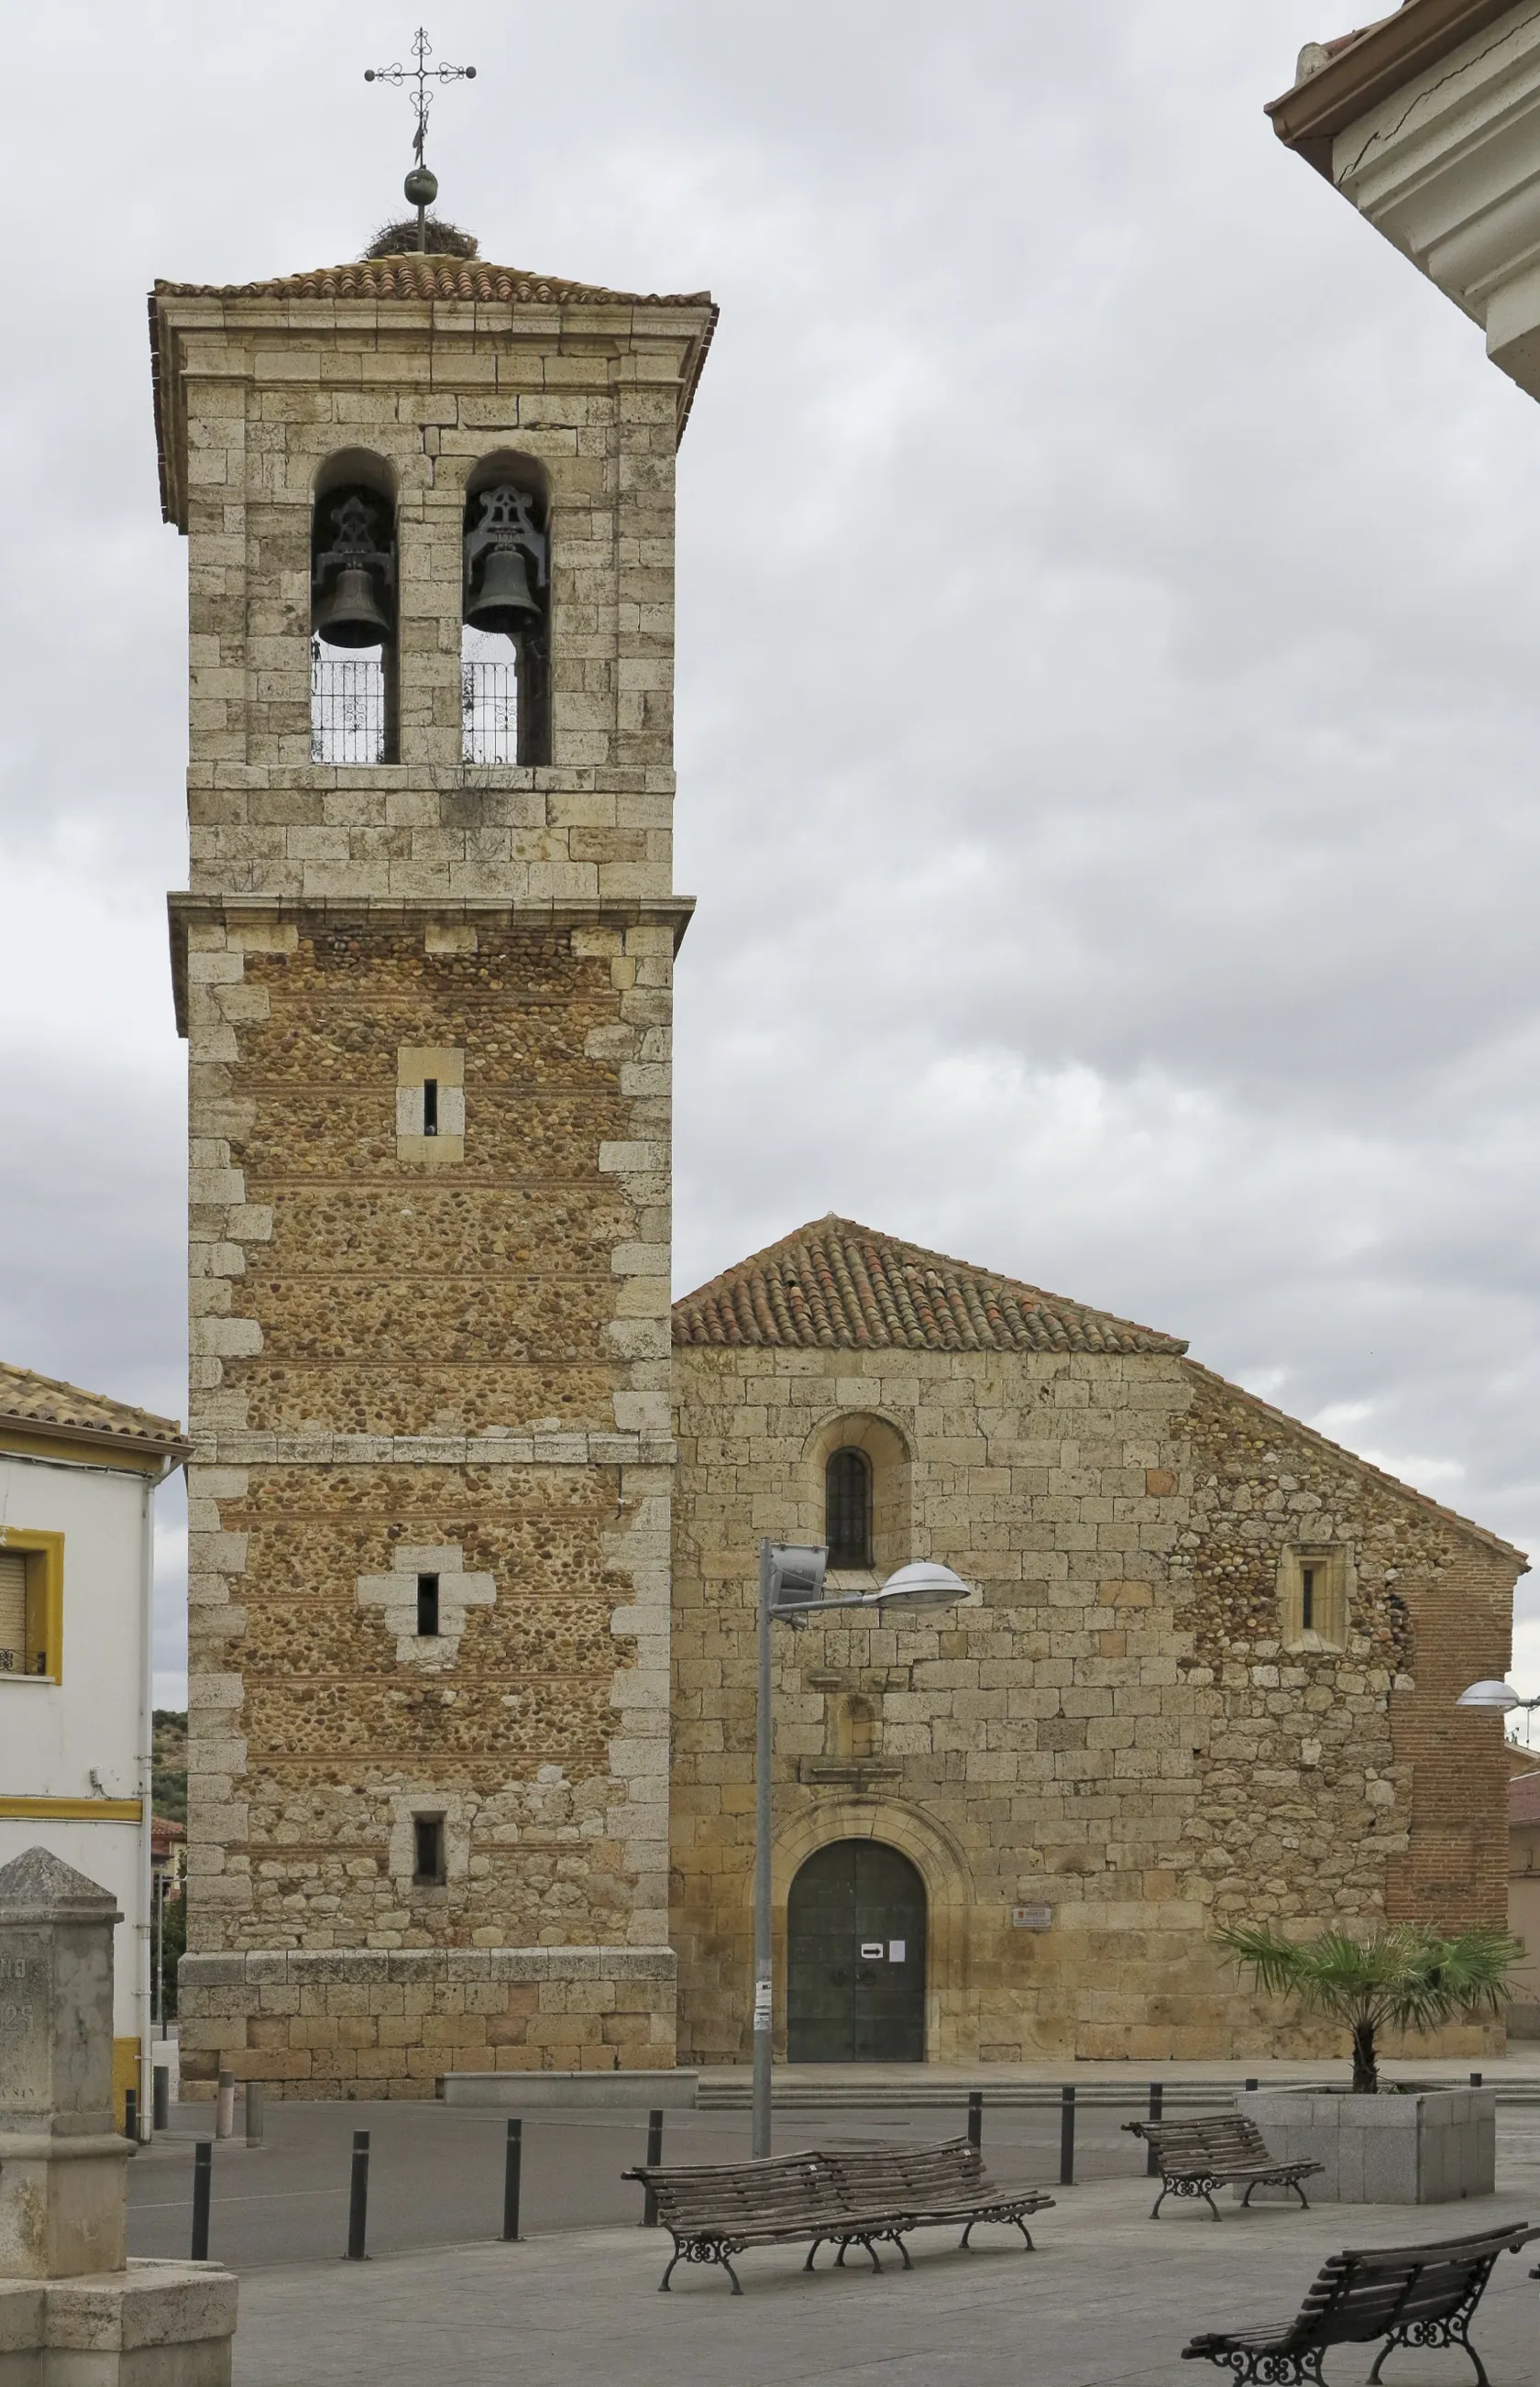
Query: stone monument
{"type": "Point", "coordinates": [71, 2304]}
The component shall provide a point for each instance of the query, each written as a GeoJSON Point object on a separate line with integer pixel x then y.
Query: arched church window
{"type": "Point", "coordinates": [353, 598]}
{"type": "Point", "coordinates": [505, 649]}
{"type": "Point", "coordinates": [848, 1509]}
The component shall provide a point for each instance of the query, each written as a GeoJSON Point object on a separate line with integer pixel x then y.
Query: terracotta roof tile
{"type": "Point", "coordinates": [837, 1287]}
{"type": "Point", "coordinates": [54, 1407]}
{"type": "Point", "coordinates": [469, 278]}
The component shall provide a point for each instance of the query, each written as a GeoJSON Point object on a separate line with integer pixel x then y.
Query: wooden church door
{"type": "Point", "coordinates": [856, 1957]}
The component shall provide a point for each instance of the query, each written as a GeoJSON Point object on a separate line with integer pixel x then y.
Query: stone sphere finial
{"type": "Point", "coordinates": [421, 187]}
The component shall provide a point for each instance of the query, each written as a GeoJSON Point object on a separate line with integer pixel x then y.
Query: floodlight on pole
{"type": "Point", "coordinates": [791, 1576]}
{"type": "Point", "coordinates": [1500, 1697]}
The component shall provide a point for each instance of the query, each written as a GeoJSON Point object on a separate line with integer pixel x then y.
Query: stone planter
{"type": "Point", "coordinates": [1425, 2146]}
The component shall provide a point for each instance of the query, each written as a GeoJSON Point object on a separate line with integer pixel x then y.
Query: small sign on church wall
{"type": "Point", "coordinates": [1031, 1918]}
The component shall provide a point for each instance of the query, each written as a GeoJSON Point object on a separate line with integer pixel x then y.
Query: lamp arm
{"type": "Point", "coordinates": [793, 1609]}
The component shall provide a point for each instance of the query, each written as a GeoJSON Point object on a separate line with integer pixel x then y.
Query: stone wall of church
{"type": "Point", "coordinates": [1113, 1734]}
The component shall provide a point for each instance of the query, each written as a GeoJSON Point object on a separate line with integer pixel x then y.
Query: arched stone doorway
{"type": "Point", "coordinates": [856, 1957]}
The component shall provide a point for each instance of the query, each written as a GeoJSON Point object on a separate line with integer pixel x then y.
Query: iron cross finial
{"type": "Point", "coordinates": [422, 74]}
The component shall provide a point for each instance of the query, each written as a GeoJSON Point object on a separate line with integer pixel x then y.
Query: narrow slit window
{"type": "Point", "coordinates": [427, 1834]}
{"type": "Point", "coordinates": [1307, 1599]}
{"type": "Point", "coordinates": [427, 1606]}
{"type": "Point", "coordinates": [848, 1509]}
{"type": "Point", "coordinates": [430, 1105]}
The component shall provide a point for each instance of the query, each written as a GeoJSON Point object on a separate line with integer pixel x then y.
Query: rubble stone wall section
{"type": "Point", "coordinates": [400, 1366]}
{"type": "Point", "coordinates": [1112, 1731]}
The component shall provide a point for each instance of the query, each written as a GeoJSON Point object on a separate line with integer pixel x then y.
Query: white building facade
{"type": "Point", "coordinates": [77, 1478]}
{"type": "Point", "coordinates": [1429, 124]}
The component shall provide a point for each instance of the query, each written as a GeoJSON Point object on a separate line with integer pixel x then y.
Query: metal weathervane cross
{"type": "Point", "coordinates": [422, 185]}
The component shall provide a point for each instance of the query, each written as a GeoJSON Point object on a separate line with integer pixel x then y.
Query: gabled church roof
{"type": "Point", "coordinates": [46, 1407]}
{"type": "Point", "coordinates": [837, 1287]}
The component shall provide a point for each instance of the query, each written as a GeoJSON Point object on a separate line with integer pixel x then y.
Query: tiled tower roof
{"type": "Point", "coordinates": [415, 276]}
{"type": "Point", "coordinates": [837, 1287]}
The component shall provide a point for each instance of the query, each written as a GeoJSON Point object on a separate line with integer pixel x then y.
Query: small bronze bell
{"type": "Point", "coordinates": [350, 615]}
{"type": "Point", "coordinates": [503, 600]}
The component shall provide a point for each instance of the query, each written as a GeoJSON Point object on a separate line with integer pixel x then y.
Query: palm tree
{"type": "Point", "coordinates": [1404, 1976]}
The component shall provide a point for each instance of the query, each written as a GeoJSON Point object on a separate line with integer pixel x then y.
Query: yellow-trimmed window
{"type": "Point", "coordinates": [32, 1604]}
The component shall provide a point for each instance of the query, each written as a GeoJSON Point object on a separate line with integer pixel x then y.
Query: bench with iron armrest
{"type": "Point", "coordinates": [933, 2188]}
{"type": "Point", "coordinates": [1408, 2295]}
{"type": "Point", "coordinates": [1213, 2151]}
{"type": "Point", "coordinates": [714, 2211]}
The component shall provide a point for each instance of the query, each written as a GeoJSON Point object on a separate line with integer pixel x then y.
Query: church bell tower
{"type": "Point", "coordinates": [424, 967]}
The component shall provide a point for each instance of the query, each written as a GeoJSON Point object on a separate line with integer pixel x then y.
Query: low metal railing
{"type": "Point", "coordinates": [489, 712]}
{"type": "Point", "coordinates": [348, 709]}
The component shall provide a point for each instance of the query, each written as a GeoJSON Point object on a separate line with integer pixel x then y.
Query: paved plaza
{"type": "Point", "coordinates": [1109, 2296]}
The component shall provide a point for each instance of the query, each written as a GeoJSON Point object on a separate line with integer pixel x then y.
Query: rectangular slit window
{"type": "Point", "coordinates": [427, 1606]}
{"type": "Point", "coordinates": [427, 1833]}
{"type": "Point", "coordinates": [1307, 1599]}
{"type": "Point", "coordinates": [430, 1105]}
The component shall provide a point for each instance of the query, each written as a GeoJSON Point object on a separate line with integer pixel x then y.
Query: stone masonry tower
{"type": "Point", "coordinates": [424, 967]}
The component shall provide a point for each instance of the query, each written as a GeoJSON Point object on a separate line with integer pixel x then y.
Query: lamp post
{"type": "Point", "coordinates": [790, 1589]}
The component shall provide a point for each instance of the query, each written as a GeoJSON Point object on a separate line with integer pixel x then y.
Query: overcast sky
{"type": "Point", "coordinates": [1107, 703]}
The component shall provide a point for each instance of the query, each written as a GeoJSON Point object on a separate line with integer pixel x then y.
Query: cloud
{"type": "Point", "coordinates": [1106, 706]}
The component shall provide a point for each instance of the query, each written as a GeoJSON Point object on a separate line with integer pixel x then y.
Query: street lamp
{"type": "Point", "coordinates": [1502, 1697]}
{"type": "Point", "coordinates": [790, 1589]}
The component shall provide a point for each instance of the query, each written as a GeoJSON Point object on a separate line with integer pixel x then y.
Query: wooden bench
{"type": "Point", "coordinates": [1215, 2151]}
{"type": "Point", "coordinates": [1408, 2295]}
{"type": "Point", "coordinates": [936, 2187]}
{"type": "Point", "coordinates": [714, 2211]}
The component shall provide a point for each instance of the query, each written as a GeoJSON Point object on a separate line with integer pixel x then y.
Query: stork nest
{"type": "Point", "coordinates": [444, 239]}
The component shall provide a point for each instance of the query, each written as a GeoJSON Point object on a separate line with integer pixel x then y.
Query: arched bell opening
{"type": "Point", "coordinates": [505, 644]}
{"type": "Point", "coordinates": [354, 584]}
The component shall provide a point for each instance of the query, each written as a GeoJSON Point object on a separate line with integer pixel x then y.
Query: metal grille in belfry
{"type": "Point", "coordinates": [348, 709]}
{"type": "Point", "coordinates": [489, 712]}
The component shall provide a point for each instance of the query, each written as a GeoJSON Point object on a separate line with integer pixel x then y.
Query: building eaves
{"type": "Point", "coordinates": [46, 1408]}
{"type": "Point", "coordinates": [1366, 1467]}
{"type": "Point", "coordinates": [1369, 67]}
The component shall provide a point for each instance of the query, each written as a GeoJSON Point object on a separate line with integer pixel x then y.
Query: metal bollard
{"type": "Point", "coordinates": [654, 2156]}
{"type": "Point", "coordinates": [976, 2117]}
{"type": "Point", "coordinates": [1157, 2103]}
{"type": "Point", "coordinates": [224, 2114]}
{"type": "Point", "coordinates": [1066, 2136]}
{"type": "Point", "coordinates": [512, 2168]}
{"type": "Point", "coordinates": [357, 2200]}
{"type": "Point", "coordinates": [162, 2107]}
{"type": "Point", "coordinates": [256, 2111]}
{"type": "Point", "coordinates": [203, 2181]}
{"type": "Point", "coordinates": [130, 2114]}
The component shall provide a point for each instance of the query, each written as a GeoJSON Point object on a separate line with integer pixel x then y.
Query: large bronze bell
{"type": "Point", "coordinates": [352, 571]}
{"type": "Point", "coordinates": [503, 600]}
{"type": "Point", "coordinates": [350, 614]}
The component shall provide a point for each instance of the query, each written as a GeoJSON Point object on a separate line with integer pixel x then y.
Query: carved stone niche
{"type": "Point", "coordinates": [852, 1737]}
